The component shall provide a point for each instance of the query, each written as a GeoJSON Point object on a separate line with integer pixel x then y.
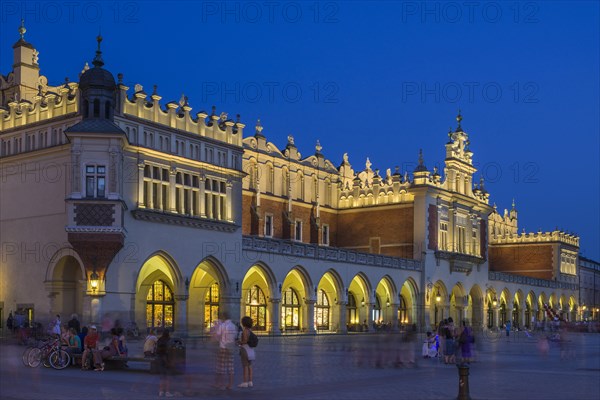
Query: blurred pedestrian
{"type": "Point", "coordinates": [162, 353]}
{"type": "Point", "coordinates": [247, 354]}
{"type": "Point", "coordinates": [225, 334]}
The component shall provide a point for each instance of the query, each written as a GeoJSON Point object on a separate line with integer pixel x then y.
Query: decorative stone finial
{"type": "Point", "coordinates": [22, 29]}
{"type": "Point", "coordinates": [98, 62]}
{"type": "Point", "coordinates": [459, 119]}
{"type": "Point", "coordinates": [214, 110]}
{"type": "Point", "coordinates": [291, 140]}
{"type": "Point", "coordinates": [259, 127]}
{"type": "Point", "coordinates": [237, 119]}
{"type": "Point", "coordinates": [368, 164]}
{"type": "Point", "coordinates": [182, 100]}
{"type": "Point", "coordinates": [421, 157]}
{"type": "Point", "coordinates": [120, 78]}
{"type": "Point", "coordinates": [154, 90]}
{"type": "Point", "coordinates": [318, 146]}
{"type": "Point", "coordinates": [345, 158]}
{"type": "Point", "coordinates": [85, 68]}
{"type": "Point", "coordinates": [513, 203]}
{"type": "Point", "coordinates": [40, 91]}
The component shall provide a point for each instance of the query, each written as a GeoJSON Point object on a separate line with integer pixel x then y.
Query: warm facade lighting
{"type": "Point", "coordinates": [438, 297]}
{"type": "Point", "coordinates": [94, 280]}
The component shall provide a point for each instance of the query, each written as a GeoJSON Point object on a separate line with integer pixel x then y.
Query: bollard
{"type": "Point", "coordinates": [463, 382]}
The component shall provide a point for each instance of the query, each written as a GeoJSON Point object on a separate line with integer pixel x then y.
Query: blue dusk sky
{"type": "Point", "coordinates": [371, 79]}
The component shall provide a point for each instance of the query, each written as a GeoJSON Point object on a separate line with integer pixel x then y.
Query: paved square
{"type": "Point", "coordinates": [335, 367]}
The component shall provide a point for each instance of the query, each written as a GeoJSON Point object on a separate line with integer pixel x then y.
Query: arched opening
{"type": "Point", "coordinates": [107, 109]}
{"type": "Point", "coordinates": [206, 291]}
{"type": "Point", "coordinates": [256, 308]}
{"type": "Point", "coordinates": [96, 108]}
{"type": "Point", "coordinates": [352, 317]}
{"type": "Point", "coordinates": [290, 310]}
{"type": "Point", "coordinates": [67, 286]}
{"type": "Point", "coordinates": [502, 315]}
{"type": "Point", "coordinates": [322, 311]}
{"type": "Point", "coordinates": [211, 306]}
{"type": "Point", "coordinates": [160, 306]}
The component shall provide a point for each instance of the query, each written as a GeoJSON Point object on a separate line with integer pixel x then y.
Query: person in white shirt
{"type": "Point", "coordinates": [150, 344]}
{"type": "Point", "coordinates": [226, 334]}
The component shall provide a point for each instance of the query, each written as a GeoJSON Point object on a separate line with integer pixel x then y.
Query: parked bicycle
{"type": "Point", "coordinates": [50, 354]}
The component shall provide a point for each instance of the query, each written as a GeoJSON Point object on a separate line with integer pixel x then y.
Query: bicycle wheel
{"type": "Point", "coordinates": [46, 360]}
{"type": "Point", "coordinates": [34, 358]}
{"type": "Point", "coordinates": [59, 359]}
{"type": "Point", "coordinates": [25, 355]}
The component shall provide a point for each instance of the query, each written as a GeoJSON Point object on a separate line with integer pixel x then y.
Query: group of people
{"type": "Point", "coordinates": [87, 342]}
{"type": "Point", "coordinates": [456, 341]}
{"type": "Point", "coordinates": [231, 338]}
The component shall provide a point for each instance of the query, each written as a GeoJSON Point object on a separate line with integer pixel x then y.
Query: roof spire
{"type": "Point", "coordinates": [98, 62]}
{"type": "Point", "coordinates": [22, 29]}
{"type": "Point", "coordinates": [459, 119]}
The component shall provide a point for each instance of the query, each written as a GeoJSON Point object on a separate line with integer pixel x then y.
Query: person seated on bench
{"type": "Point", "coordinates": [122, 344]}
{"type": "Point", "coordinates": [90, 344]}
{"type": "Point", "coordinates": [74, 344]}
{"type": "Point", "coordinates": [108, 351]}
{"type": "Point", "coordinates": [150, 344]}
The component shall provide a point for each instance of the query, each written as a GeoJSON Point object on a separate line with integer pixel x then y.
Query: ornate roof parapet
{"type": "Point", "coordinates": [421, 175]}
{"type": "Point", "coordinates": [177, 115]}
{"type": "Point", "coordinates": [537, 237]}
{"type": "Point", "coordinates": [368, 187]}
{"type": "Point", "coordinates": [49, 102]}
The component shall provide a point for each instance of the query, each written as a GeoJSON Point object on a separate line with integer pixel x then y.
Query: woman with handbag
{"type": "Point", "coordinates": [246, 352]}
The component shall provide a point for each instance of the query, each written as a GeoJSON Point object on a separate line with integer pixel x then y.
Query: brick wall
{"type": "Point", "coordinates": [394, 227]}
{"type": "Point", "coordinates": [533, 259]}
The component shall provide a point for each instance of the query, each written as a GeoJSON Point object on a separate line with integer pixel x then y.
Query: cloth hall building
{"type": "Point", "coordinates": [113, 203]}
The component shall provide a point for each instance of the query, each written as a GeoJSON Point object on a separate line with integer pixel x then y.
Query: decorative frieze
{"type": "Point", "coordinates": [302, 250]}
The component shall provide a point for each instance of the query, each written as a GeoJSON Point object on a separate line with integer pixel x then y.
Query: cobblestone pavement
{"type": "Point", "coordinates": [333, 367]}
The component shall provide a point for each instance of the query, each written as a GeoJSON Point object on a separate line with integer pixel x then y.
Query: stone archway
{"type": "Point", "coordinates": [156, 295]}
{"type": "Point", "coordinates": [476, 307]}
{"type": "Point", "coordinates": [67, 287]}
{"type": "Point", "coordinates": [208, 294]}
{"type": "Point", "coordinates": [258, 300]}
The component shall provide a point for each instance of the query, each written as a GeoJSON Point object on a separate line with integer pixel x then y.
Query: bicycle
{"type": "Point", "coordinates": [50, 354]}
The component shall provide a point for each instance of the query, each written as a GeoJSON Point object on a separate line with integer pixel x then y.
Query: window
{"type": "Point", "coordinates": [474, 247]}
{"type": "Point", "coordinates": [322, 311]}
{"type": "Point", "coordinates": [290, 310]}
{"type": "Point", "coordinates": [156, 187]}
{"type": "Point", "coordinates": [211, 306]}
{"type": "Point", "coordinates": [215, 196]}
{"type": "Point", "coordinates": [325, 234]}
{"type": "Point", "coordinates": [95, 181]}
{"type": "Point", "coordinates": [268, 225]}
{"type": "Point", "coordinates": [159, 306]}
{"type": "Point", "coordinates": [298, 231]}
{"type": "Point", "coordinates": [256, 308]}
{"type": "Point", "coordinates": [443, 244]}
{"type": "Point", "coordinates": [461, 239]}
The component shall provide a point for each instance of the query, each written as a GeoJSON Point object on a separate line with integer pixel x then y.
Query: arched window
{"type": "Point", "coordinates": [290, 310]}
{"type": "Point", "coordinates": [211, 305]}
{"type": "Point", "coordinates": [256, 308]}
{"type": "Point", "coordinates": [377, 316]}
{"type": "Point", "coordinates": [284, 182]}
{"type": "Point", "coordinates": [322, 311]}
{"type": "Point", "coordinates": [107, 110]}
{"type": "Point", "coordinates": [160, 306]}
{"type": "Point", "coordinates": [352, 310]}
{"type": "Point", "coordinates": [96, 108]}
{"type": "Point", "coordinates": [502, 314]}
{"type": "Point", "coordinates": [402, 311]}
{"type": "Point", "coordinates": [527, 321]}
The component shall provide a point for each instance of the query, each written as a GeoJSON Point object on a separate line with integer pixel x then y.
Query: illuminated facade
{"type": "Point", "coordinates": [113, 203]}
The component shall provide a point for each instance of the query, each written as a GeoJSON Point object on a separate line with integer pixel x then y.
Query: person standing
{"type": "Point", "coordinates": [246, 352]}
{"type": "Point", "coordinates": [9, 322]}
{"type": "Point", "coordinates": [55, 329]}
{"type": "Point", "coordinates": [162, 352]}
{"type": "Point", "coordinates": [507, 326]}
{"type": "Point", "coordinates": [74, 324]}
{"type": "Point", "coordinates": [226, 334]}
{"type": "Point", "coordinates": [449, 355]}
